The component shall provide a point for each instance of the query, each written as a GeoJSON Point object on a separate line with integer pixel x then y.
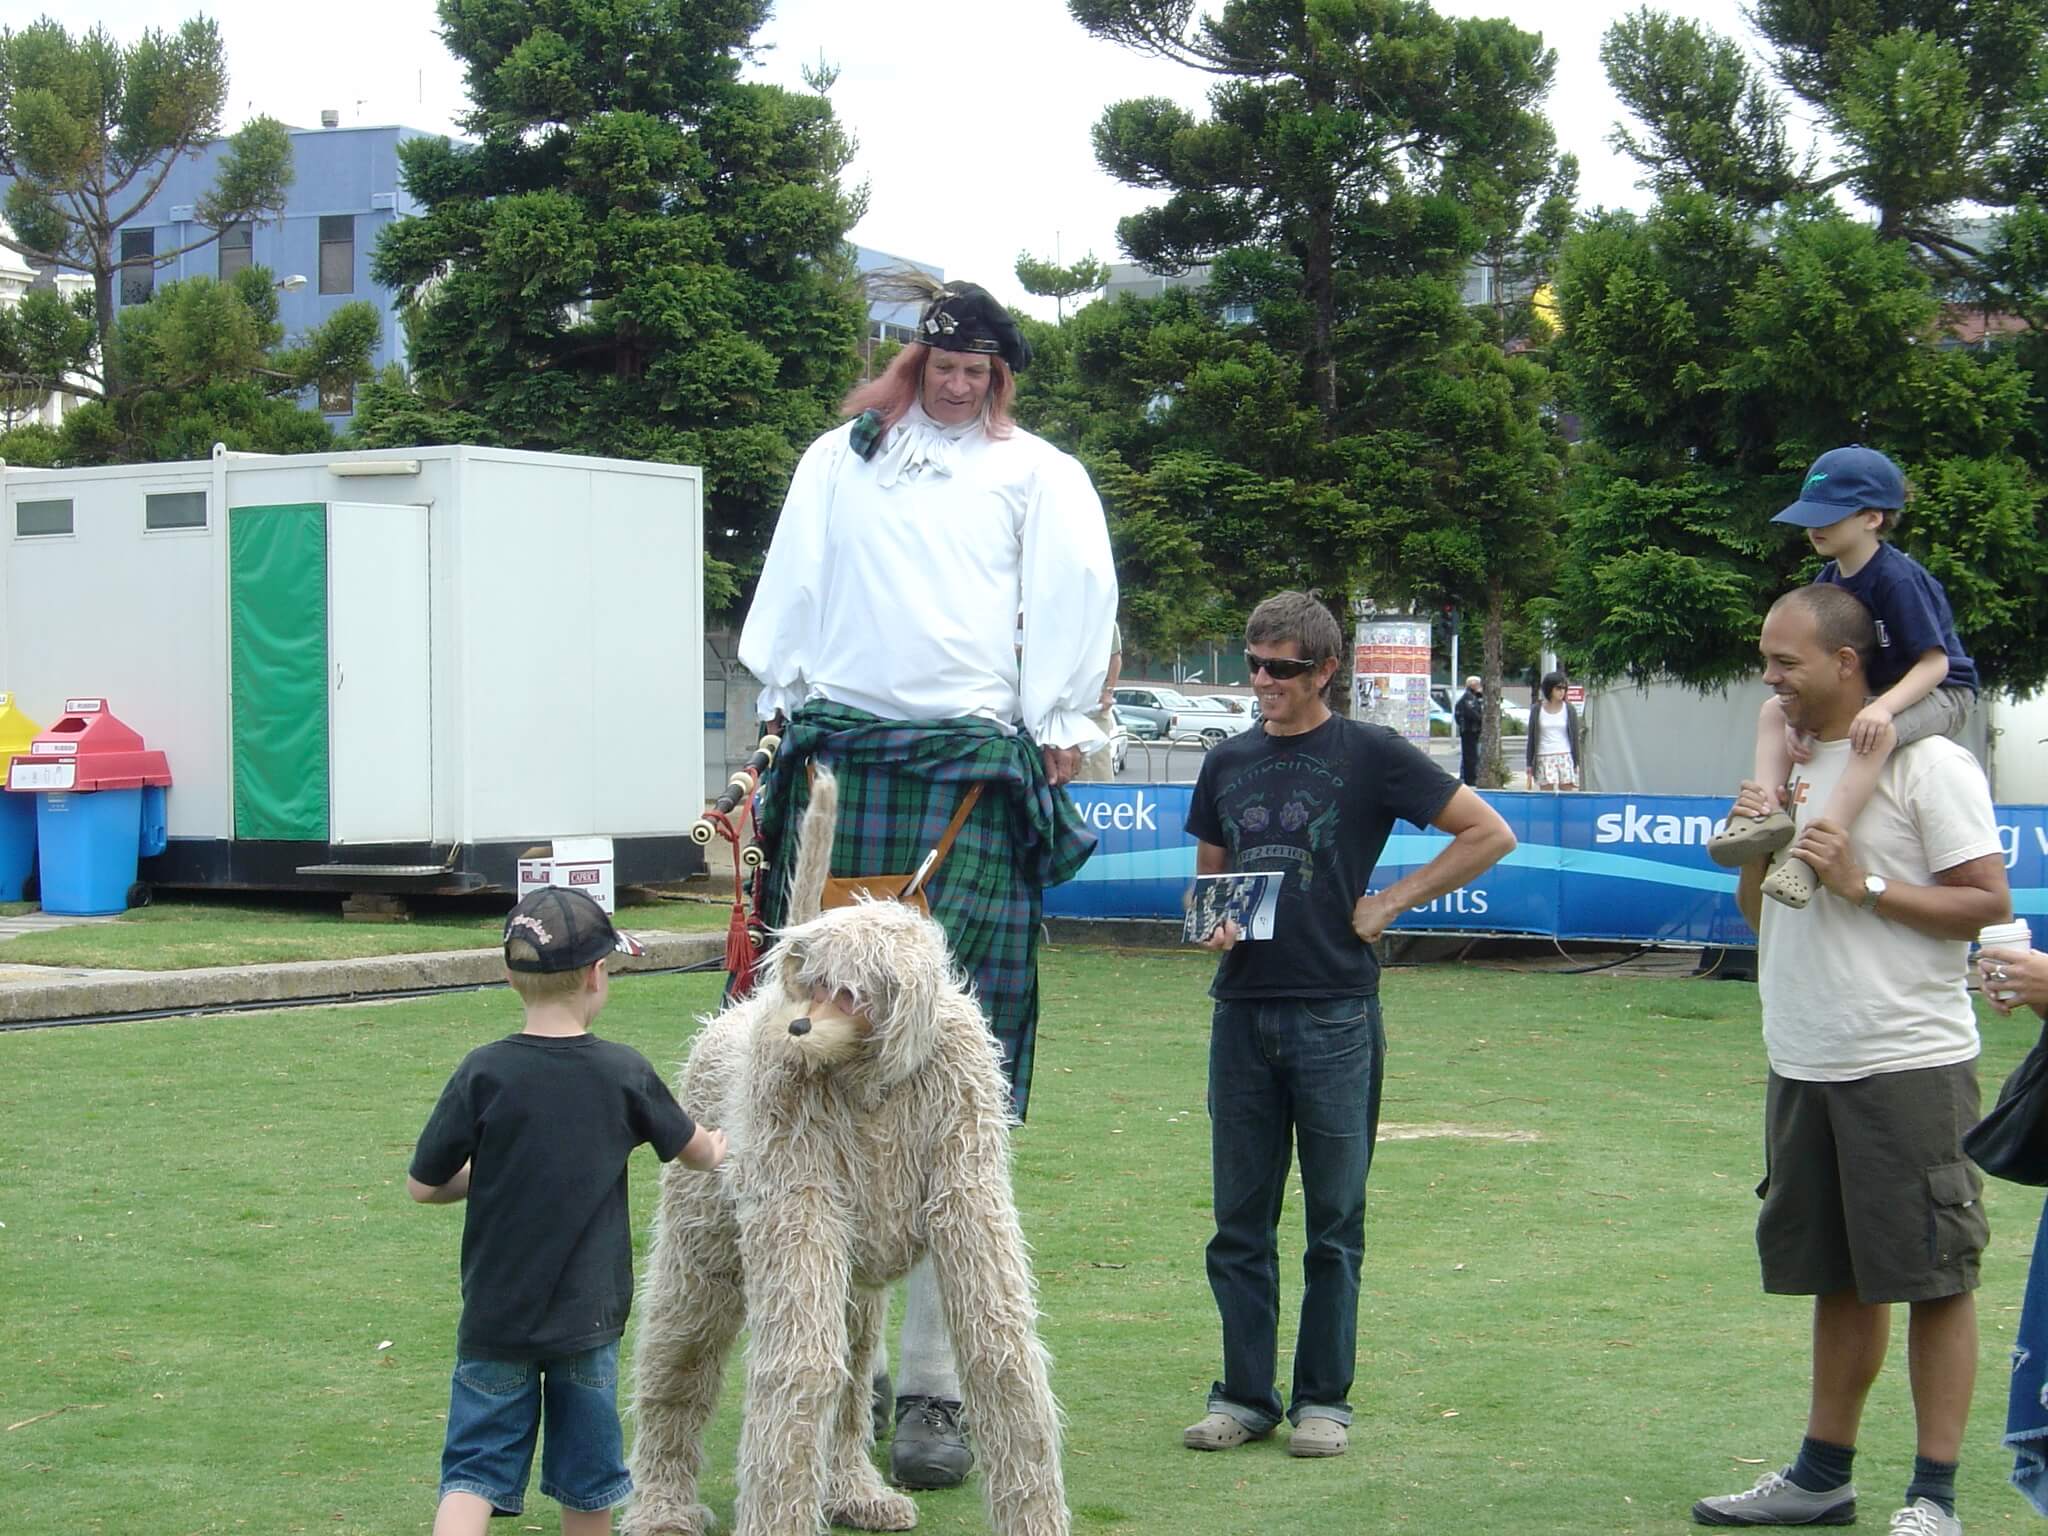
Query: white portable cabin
{"type": "Point", "coordinates": [390, 670]}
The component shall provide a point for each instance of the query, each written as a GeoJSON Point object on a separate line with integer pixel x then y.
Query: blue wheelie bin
{"type": "Point", "coordinates": [99, 808]}
{"type": "Point", "coordinates": [17, 812]}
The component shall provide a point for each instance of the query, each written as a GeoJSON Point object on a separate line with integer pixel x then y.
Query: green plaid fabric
{"type": "Point", "coordinates": [900, 781]}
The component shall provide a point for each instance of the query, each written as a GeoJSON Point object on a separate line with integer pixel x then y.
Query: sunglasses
{"type": "Point", "coordinates": [1279, 668]}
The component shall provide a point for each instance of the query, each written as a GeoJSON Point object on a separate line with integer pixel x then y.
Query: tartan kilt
{"type": "Point", "coordinates": [900, 782]}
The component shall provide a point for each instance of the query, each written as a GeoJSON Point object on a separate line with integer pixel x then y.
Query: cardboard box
{"type": "Point", "coordinates": [580, 863]}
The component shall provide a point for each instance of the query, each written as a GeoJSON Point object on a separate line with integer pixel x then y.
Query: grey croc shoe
{"type": "Point", "coordinates": [1219, 1432]}
{"type": "Point", "coordinates": [1776, 1500]}
{"type": "Point", "coordinates": [1791, 881]}
{"type": "Point", "coordinates": [1751, 839]}
{"type": "Point", "coordinates": [1319, 1436]}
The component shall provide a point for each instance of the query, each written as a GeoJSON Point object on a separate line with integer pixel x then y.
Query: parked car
{"type": "Point", "coordinates": [1156, 706]}
{"type": "Point", "coordinates": [1119, 749]}
{"type": "Point", "coordinates": [1137, 722]}
{"type": "Point", "coordinates": [1210, 720]}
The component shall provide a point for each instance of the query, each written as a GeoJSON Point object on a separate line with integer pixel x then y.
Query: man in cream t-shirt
{"type": "Point", "coordinates": [1867, 1197]}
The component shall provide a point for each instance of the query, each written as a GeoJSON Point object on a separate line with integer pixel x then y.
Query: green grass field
{"type": "Point", "coordinates": [188, 934]}
{"type": "Point", "coordinates": [223, 1314]}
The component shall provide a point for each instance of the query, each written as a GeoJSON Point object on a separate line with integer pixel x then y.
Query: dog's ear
{"type": "Point", "coordinates": [920, 973]}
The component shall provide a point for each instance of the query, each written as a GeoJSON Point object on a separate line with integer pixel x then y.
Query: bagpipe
{"type": "Point", "coordinates": [732, 817]}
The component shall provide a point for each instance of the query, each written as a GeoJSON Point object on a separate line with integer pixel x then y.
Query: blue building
{"type": "Point", "coordinates": [345, 190]}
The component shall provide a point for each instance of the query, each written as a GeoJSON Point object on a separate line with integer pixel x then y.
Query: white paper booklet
{"type": "Point", "coordinates": [1249, 900]}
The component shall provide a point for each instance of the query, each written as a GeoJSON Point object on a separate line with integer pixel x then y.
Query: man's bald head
{"type": "Point", "coordinates": [1840, 619]}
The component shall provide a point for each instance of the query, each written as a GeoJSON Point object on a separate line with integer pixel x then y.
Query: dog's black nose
{"type": "Point", "coordinates": [799, 1026]}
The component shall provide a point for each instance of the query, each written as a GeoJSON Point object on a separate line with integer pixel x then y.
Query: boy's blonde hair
{"type": "Point", "coordinates": [536, 987]}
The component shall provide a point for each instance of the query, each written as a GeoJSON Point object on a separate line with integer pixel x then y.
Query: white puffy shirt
{"type": "Point", "coordinates": [895, 584]}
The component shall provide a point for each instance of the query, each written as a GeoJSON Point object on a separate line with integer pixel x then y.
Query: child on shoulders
{"type": "Point", "coordinates": [1926, 684]}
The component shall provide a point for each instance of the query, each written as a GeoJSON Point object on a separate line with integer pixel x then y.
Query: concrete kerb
{"type": "Point", "coordinates": [97, 994]}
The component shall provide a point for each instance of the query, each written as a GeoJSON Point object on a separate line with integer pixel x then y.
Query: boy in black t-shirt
{"type": "Point", "coordinates": [1296, 1050]}
{"type": "Point", "coordinates": [534, 1131]}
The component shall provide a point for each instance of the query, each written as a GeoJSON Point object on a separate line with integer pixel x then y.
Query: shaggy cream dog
{"type": "Point", "coordinates": [868, 1122]}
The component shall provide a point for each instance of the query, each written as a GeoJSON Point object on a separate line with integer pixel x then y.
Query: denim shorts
{"type": "Point", "coordinates": [495, 1409]}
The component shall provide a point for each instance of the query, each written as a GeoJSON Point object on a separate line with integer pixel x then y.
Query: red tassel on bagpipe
{"type": "Point", "coordinates": [728, 816]}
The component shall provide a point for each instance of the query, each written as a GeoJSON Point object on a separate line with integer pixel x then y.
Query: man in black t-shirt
{"type": "Point", "coordinates": [1296, 1049]}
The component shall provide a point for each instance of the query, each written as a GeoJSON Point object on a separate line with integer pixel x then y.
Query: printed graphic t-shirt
{"type": "Point", "coordinates": [1318, 807]}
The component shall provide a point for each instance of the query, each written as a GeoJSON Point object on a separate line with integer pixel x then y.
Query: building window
{"type": "Point", "coordinates": [41, 519]}
{"type": "Point", "coordinates": [337, 397]}
{"type": "Point", "coordinates": [235, 249]}
{"type": "Point", "coordinates": [337, 253]}
{"type": "Point", "coordinates": [174, 509]}
{"type": "Point", "coordinates": [137, 283]}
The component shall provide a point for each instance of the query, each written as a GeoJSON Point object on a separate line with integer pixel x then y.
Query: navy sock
{"type": "Point", "coordinates": [1823, 1467]}
{"type": "Point", "coordinates": [1934, 1480]}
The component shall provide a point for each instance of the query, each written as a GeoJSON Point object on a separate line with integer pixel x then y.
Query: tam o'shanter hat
{"type": "Point", "coordinates": [966, 317]}
{"type": "Point", "coordinates": [1843, 482]}
{"type": "Point", "coordinates": [567, 930]}
{"type": "Point", "coordinates": [953, 317]}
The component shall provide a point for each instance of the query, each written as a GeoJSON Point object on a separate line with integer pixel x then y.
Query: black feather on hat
{"type": "Point", "coordinates": [957, 317]}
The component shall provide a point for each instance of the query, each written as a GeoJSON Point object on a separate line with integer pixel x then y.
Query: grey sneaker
{"type": "Point", "coordinates": [1924, 1517]}
{"type": "Point", "coordinates": [1777, 1501]}
{"type": "Point", "coordinates": [930, 1447]}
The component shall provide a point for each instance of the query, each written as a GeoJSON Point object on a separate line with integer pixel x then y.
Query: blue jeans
{"type": "Point", "coordinates": [1285, 1072]}
{"type": "Point", "coordinates": [494, 1416]}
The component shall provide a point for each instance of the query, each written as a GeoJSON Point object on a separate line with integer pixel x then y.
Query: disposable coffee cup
{"type": "Point", "coordinates": [2015, 935]}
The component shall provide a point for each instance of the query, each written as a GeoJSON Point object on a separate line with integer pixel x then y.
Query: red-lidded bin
{"type": "Point", "coordinates": [99, 808]}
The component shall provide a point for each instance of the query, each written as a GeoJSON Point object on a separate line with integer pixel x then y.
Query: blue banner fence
{"type": "Point", "coordinates": [1626, 868]}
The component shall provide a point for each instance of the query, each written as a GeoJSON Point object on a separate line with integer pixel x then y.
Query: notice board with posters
{"type": "Point", "coordinates": [1390, 676]}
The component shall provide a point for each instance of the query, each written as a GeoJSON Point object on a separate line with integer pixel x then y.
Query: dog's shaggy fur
{"type": "Point", "coordinates": [867, 1119]}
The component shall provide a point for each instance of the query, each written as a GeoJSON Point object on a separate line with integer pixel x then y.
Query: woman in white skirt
{"type": "Point", "coordinates": [1553, 748]}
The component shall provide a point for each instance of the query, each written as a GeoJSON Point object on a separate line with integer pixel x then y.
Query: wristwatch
{"type": "Point", "coordinates": [1874, 888]}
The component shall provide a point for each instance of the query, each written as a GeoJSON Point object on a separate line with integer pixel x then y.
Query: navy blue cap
{"type": "Point", "coordinates": [1845, 481]}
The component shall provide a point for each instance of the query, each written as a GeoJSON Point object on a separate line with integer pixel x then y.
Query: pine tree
{"type": "Point", "coordinates": [641, 255]}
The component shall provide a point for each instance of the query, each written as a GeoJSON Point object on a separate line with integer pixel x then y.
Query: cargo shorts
{"type": "Point", "coordinates": [1866, 1187]}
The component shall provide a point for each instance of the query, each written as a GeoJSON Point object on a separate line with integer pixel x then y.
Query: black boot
{"type": "Point", "coordinates": [930, 1449]}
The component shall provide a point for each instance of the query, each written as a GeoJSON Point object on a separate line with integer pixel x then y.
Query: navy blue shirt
{"type": "Point", "coordinates": [1912, 613]}
{"type": "Point", "coordinates": [1318, 807]}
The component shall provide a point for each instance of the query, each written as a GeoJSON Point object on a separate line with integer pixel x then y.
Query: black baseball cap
{"type": "Point", "coordinates": [567, 930]}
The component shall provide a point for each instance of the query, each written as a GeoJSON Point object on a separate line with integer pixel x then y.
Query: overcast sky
{"type": "Point", "coordinates": [973, 119]}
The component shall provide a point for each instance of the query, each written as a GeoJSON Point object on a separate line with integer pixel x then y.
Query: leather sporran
{"type": "Point", "coordinates": [908, 889]}
{"type": "Point", "coordinates": [844, 893]}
